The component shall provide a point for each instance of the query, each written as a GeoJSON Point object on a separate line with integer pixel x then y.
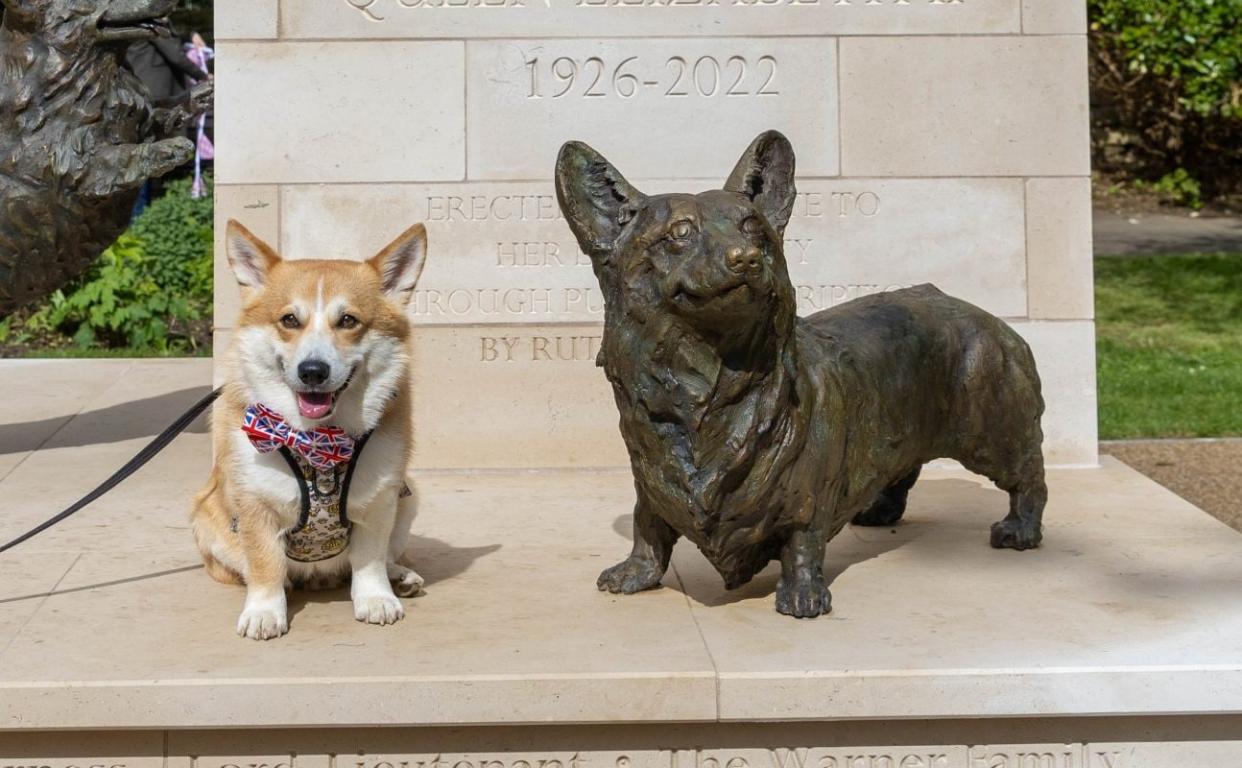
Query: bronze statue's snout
{"type": "Point", "coordinates": [740, 260]}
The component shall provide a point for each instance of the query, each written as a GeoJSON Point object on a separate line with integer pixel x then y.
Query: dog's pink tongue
{"type": "Point", "coordinates": [314, 405]}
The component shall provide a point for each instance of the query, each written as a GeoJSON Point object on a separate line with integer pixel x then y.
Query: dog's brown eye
{"type": "Point", "coordinates": [290, 321]}
{"type": "Point", "coordinates": [346, 322]}
{"type": "Point", "coordinates": [752, 226]}
{"type": "Point", "coordinates": [681, 230]}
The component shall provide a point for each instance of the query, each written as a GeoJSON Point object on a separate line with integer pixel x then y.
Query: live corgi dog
{"type": "Point", "coordinates": [319, 370]}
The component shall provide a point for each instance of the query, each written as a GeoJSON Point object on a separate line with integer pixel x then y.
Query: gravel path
{"type": "Point", "coordinates": [1207, 473]}
{"type": "Point", "coordinates": [1144, 233]}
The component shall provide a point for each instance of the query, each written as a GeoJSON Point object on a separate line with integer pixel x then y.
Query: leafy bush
{"type": "Point", "coordinates": [176, 233]}
{"type": "Point", "coordinates": [117, 304]}
{"type": "Point", "coordinates": [1180, 188]}
{"type": "Point", "coordinates": [150, 292]}
{"type": "Point", "coordinates": [1167, 88]}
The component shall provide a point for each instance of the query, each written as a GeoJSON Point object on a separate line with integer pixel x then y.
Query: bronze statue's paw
{"type": "Point", "coordinates": [178, 150]}
{"type": "Point", "coordinates": [1015, 534]}
{"type": "Point", "coordinates": [630, 576]}
{"type": "Point", "coordinates": [201, 97]}
{"type": "Point", "coordinates": [169, 154]}
{"type": "Point", "coordinates": [804, 599]}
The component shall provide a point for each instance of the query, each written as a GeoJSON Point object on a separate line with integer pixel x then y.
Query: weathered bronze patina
{"type": "Point", "coordinates": [758, 435]}
{"type": "Point", "coordinates": [78, 136]}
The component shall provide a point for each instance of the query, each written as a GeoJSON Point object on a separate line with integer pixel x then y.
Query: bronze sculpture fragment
{"type": "Point", "coordinates": [758, 435]}
{"type": "Point", "coordinates": [78, 135]}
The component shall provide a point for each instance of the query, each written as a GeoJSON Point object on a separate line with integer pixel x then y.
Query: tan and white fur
{"type": "Point", "coordinates": [344, 323]}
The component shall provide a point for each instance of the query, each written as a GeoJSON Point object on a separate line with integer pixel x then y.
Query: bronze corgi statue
{"type": "Point", "coordinates": [758, 435]}
{"type": "Point", "coordinates": [78, 135]}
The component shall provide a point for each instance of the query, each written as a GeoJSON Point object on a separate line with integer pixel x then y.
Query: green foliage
{"type": "Point", "coordinates": [149, 293]}
{"type": "Point", "coordinates": [1167, 86]}
{"type": "Point", "coordinates": [1194, 44]}
{"type": "Point", "coordinates": [118, 304]}
{"type": "Point", "coordinates": [1169, 360]}
{"type": "Point", "coordinates": [176, 233]}
{"type": "Point", "coordinates": [1179, 188]}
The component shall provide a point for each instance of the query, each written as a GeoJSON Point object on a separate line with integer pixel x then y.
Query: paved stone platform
{"type": "Point", "coordinates": [1133, 606]}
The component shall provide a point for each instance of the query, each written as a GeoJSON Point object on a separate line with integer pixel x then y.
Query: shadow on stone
{"type": "Point", "coordinates": [709, 592]}
{"type": "Point", "coordinates": [855, 545]}
{"type": "Point", "coordinates": [101, 585]}
{"type": "Point", "coordinates": [116, 423]}
{"type": "Point", "coordinates": [435, 560]}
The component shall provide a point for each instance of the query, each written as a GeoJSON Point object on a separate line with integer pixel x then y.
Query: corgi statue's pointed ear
{"type": "Point", "coordinates": [765, 174]}
{"type": "Point", "coordinates": [401, 263]}
{"type": "Point", "coordinates": [250, 257]}
{"type": "Point", "coordinates": [596, 199]}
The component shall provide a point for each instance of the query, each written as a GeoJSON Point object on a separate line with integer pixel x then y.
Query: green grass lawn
{"type": "Point", "coordinates": [1169, 332]}
{"type": "Point", "coordinates": [76, 353]}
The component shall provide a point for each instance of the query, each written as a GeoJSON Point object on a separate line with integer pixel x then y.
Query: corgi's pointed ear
{"type": "Point", "coordinates": [401, 263]}
{"type": "Point", "coordinates": [765, 174]}
{"type": "Point", "coordinates": [250, 257]}
{"type": "Point", "coordinates": [596, 199]}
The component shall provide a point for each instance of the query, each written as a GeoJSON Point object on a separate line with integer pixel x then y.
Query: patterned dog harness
{"type": "Point", "coordinates": [323, 528]}
{"type": "Point", "coordinates": [323, 460]}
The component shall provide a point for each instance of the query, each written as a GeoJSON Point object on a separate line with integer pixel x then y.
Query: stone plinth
{"type": "Point", "coordinates": [938, 141]}
{"type": "Point", "coordinates": [1115, 645]}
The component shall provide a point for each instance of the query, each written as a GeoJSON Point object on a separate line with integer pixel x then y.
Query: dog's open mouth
{"type": "Point", "coordinates": [319, 405]}
{"type": "Point", "coordinates": [128, 20]}
{"type": "Point", "coordinates": [691, 300]}
{"type": "Point", "coordinates": [149, 29]}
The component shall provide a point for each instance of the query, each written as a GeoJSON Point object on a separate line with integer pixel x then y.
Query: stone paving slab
{"type": "Point", "coordinates": [1207, 473]}
{"type": "Point", "coordinates": [1133, 606]}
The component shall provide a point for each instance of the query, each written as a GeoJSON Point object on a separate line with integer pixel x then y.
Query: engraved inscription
{"type": "Point", "coordinates": [847, 203]}
{"type": "Point", "coordinates": [508, 303]}
{"type": "Point", "coordinates": [371, 9]}
{"type": "Point", "coordinates": [1109, 759]}
{"type": "Point", "coordinates": [558, 304]}
{"type": "Point", "coordinates": [1027, 756]}
{"type": "Point", "coordinates": [507, 257]}
{"type": "Point", "coordinates": [64, 765]}
{"type": "Point", "coordinates": [470, 761]}
{"type": "Point", "coordinates": [844, 757]}
{"type": "Point", "coordinates": [517, 88]}
{"type": "Point", "coordinates": [377, 10]}
{"type": "Point", "coordinates": [458, 208]}
{"type": "Point", "coordinates": [541, 349]}
{"type": "Point", "coordinates": [539, 253]}
{"type": "Point", "coordinates": [705, 76]}
{"type": "Point", "coordinates": [543, 207]}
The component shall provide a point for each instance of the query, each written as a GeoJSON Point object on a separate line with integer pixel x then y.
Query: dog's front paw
{"type": "Point", "coordinates": [405, 581]}
{"type": "Point", "coordinates": [378, 609]}
{"type": "Point", "coordinates": [630, 576]}
{"type": "Point", "coordinates": [263, 623]}
{"type": "Point", "coordinates": [804, 598]}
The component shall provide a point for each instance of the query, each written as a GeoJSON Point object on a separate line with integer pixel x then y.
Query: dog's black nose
{"type": "Point", "coordinates": [743, 259]}
{"type": "Point", "coordinates": [313, 372]}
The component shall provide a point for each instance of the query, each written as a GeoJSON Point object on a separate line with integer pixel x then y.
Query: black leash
{"type": "Point", "coordinates": [133, 465]}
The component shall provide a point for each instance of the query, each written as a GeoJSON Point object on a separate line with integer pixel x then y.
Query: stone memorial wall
{"type": "Point", "coordinates": [938, 141]}
{"type": "Point", "coordinates": [789, 746]}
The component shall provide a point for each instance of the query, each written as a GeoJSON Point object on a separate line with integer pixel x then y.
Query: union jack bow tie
{"type": "Point", "coordinates": [323, 447]}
